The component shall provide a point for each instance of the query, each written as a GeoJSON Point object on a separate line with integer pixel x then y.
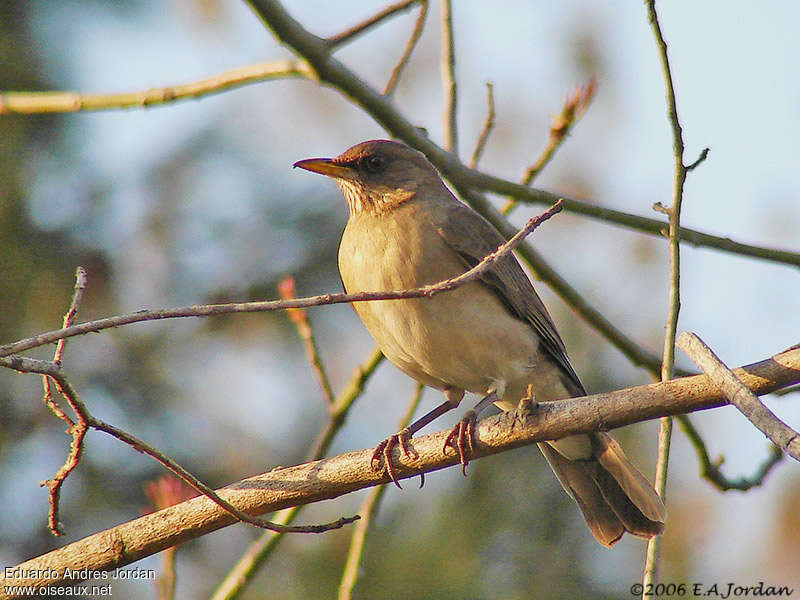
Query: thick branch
{"type": "Point", "coordinates": [333, 477]}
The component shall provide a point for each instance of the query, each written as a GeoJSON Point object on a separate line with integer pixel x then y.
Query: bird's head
{"type": "Point", "coordinates": [378, 175]}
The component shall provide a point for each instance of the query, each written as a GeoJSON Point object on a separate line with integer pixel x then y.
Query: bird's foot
{"type": "Point", "coordinates": [383, 454]}
{"type": "Point", "coordinates": [527, 403]}
{"type": "Point", "coordinates": [461, 439]}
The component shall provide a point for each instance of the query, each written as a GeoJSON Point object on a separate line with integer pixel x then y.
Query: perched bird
{"type": "Point", "coordinates": [492, 336]}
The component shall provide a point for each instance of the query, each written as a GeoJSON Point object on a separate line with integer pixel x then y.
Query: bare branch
{"type": "Point", "coordinates": [573, 109]}
{"type": "Point", "coordinates": [272, 305]}
{"type": "Point", "coordinates": [783, 436]}
{"type": "Point", "coordinates": [668, 361]}
{"type": "Point", "coordinates": [449, 87]}
{"type": "Point", "coordinates": [64, 102]}
{"type": "Point", "coordinates": [419, 25]}
{"type": "Point", "coordinates": [298, 316]}
{"type": "Point", "coordinates": [77, 429]}
{"type": "Point", "coordinates": [328, 70]}
{"type": "Point", "coordinates": [711, 471]}
{"type": "Point", "coordinates": [330, 478]}
{"type": "Point", "coordinates": [352, 32]}
{"type": "Point", "coordinates": [488, 125]}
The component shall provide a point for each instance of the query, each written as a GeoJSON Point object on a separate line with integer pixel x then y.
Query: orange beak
{"type": "Point", "coordinates": [325, 166]}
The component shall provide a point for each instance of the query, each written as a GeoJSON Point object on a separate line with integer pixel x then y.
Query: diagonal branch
{"type": "Point", "coordinates": [779, 433]}
{"type": "Point", "coordinates": [352, 32]}
{"type": "Point", "coordinates": [272, 305]}
{"type": "Point", "coordinates": [419, 25]}
{"type": "Point", "coordinates": [330, 71]}
{"type": "Point", "coordinates": [330, 478]}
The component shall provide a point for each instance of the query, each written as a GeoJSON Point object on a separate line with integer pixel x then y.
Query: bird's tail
{"type": "Point", "coordinates": [612, 494]}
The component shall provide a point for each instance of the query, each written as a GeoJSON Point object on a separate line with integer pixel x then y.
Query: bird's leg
{"type": "Point", "coordinates": [462, 437]}
{"type": "Point", "coordinates": [383, 451]}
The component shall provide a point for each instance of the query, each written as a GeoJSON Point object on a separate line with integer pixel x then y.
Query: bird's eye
{"type": "Point", "coordinates": [374, 163]}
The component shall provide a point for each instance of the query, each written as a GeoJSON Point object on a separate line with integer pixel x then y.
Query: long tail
{"type": "Point", "coordinates": [612, 494]}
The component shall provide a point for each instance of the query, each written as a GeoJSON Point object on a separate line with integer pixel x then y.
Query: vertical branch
{"type": "Point", "coordinates": [368, 510]}
{"type": "Point", "coordinates": [449, 79]}
{"type": "Point", "coordinates": [674, 213]}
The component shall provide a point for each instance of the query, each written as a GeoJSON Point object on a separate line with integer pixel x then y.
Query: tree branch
{"type": "Point", "coordinates": [64, 102]}
{"type": "Point", "coordinates": [272, 305]}
{"type": "Point", "coordinates": [783, 436]}
{"type": "Point", "coordinates": [330, 71]}
{"type": "Point", "coordinates": [333, 477]}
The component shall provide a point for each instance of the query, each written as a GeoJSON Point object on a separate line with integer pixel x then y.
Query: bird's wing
{"type": "Point", "coordinates": [472, 238]}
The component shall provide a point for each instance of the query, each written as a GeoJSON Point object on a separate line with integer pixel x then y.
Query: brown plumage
{"type": "Point", "coordinates": [493, 337]}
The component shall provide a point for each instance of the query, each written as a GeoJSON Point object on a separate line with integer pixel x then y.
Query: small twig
{"type": "Point", "coordinates": [69, 318]}
{"type": "Point", "coordinates": [700, 159]}
{"type": "Point", "coordinates": [367, 511]}
{"type": "Point", "coordinates": [572, 110]}
{"type": "Point", "coordinates": [64, 102]}
{"type": "Point", "coordinates": [76, 429]}
{"type": "Point", "coordinates": [298, 316]}
{"type": "Point", "coordinates": [783, 436]}
{"type": "Point", "coordinates": [419, 25]}
{"type": "Point", "coordinates": [448, 71]}
{"type": "Point", "coordinates": [352, 32]}
{"type": "Point", "coordinates": [78, 432]}
{"type": "Point", "coordinates": [486, 129]}
{"type": "Point", "coordinates": [272, 305]}
{"type": "Point", "coordinates": [241, 574]}
{"type": "Point", "coordinates": [711, 471]}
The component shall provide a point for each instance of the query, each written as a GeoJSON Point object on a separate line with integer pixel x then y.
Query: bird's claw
{"type": "Point", "coordinates": [383, 454]}
{"type": "Point", "coordinates": [461, 439]}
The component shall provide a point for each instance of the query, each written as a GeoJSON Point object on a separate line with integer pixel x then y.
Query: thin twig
{"type": "Point", "coordinates": [86, 420]}
{"type": "Point", "coordinates": [241, 574]}
{"type": "Point", "coordinates": [419, 25]}
{"type": "Point", "coordinates": [448, 71]}
{"type": "Point", "coordinates": [64, 102]}
{"type": "Point", "coordinates": [710, 470]}
{"type": "Point", "coordinates": [767, 422]}
{"type": "Point", "coordinates": [486, 129]}
{"type": "Point", "coordinates": [668, 361]}
{"type": "Point", "coordinates": [78, 432]}
{"type": "Point", "coordinates": [272, 305]}
{"type": "Point", "coordinates": [76, 429]}
{"type": "Point", "coordinates": [335, 476]}
{"type": "Point", "coordinates": [352, 32]}
{"type": "Point", "coordinates": [298, 316]}
{"type": "Point", "coordinates": [367, 511]}
{"type": "Point", "coordinates": [573, 109]}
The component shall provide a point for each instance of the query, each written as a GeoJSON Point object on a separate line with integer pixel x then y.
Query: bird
{"type": "Point", "coordinates": [492, 336]}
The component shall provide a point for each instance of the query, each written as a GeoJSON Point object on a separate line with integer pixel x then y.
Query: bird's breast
{"type": "Point", "coordinates": [463, 338]}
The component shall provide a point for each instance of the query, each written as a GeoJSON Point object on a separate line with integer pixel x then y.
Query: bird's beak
{"type": "Point", "coordinates": [325, 166]}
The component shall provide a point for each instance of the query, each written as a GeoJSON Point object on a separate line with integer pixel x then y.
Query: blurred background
{"type": "Point", "coordinates": [196, 202]}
